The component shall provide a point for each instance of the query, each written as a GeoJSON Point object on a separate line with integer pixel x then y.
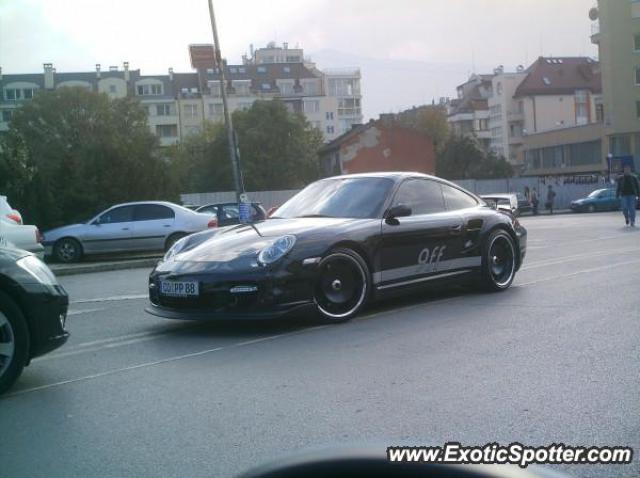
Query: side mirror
{"type": "Point", "coordinates": [491, 203]}
{"type": "Point", "coordinates": [397, 211]}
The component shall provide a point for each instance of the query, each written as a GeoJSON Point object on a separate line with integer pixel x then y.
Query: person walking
{"type": "Point", "coordinates": [551, 197]}
{"type": "Point", "coordinates": [534, 201]}
{"type": "Point", "coordinates": [628, 191]}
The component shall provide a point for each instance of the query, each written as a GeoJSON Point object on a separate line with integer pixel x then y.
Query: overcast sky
{"type": "Point", "coordinates": [452, 36]}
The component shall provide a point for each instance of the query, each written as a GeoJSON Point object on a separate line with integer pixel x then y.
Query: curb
{"type": "Point", "coordinates": [73, 269]}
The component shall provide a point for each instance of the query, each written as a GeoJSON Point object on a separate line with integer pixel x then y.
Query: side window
{"type": "Point", "coordinates": [230, 211]}
{"type": "Point", "coordinates": [119, 214]}
{"type": "Point", "coordinates": [457, 199]}
{"type": "Point", "coordinates": [423, 196]}
{"type": "Point", "coordinates": [209, 210]}
{"type": "Point", "coordinates": [152, 212]}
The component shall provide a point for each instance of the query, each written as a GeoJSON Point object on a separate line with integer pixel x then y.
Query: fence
{"type": "Point", "coordinates": [565, 193]}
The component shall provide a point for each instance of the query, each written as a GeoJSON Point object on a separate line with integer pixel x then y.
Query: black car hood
{"type": "Point", "coordinates": [244, 241]}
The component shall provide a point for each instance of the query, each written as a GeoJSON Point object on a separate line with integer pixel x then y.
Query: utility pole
{"type": "Point", "coordinates": [227, 115]}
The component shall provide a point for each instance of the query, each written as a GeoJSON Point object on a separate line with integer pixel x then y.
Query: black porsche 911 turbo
{"type": "Point", "coordinates": [336, 245]}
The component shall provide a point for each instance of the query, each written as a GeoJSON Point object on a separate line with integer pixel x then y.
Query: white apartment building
{"type": "Point", "coordinates": [468, 114]}
{"type": "Point", "coordinates": [178, 104]}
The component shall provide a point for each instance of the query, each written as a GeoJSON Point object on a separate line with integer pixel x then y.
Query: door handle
{"type": "Point", "coordinates": [125, 228]}
{"type": "Point", "coordinates": [166, 225]}
{"type": "Point", "coordinates": [457, 229]}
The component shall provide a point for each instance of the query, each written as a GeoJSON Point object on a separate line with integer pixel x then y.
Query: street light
{"type": "Point", "coordinates": [238, 184]}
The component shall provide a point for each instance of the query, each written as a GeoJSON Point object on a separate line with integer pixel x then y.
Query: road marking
{"type": "Point", "coordinates": [86, 311]}
{"type": "Point", "coordinates": [156, 362]}
{"type": "Point", "coordinates": [560, 260]}
{"type": "Point", "coordinates": [585, 271]}
{"type": "Point", "coordinates": [114, 298]}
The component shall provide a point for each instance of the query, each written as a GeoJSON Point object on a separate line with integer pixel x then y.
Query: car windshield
{"type": "Point", "coordinates": [339, 197]}
{"type": "Point", "coordinates": [596, 193]}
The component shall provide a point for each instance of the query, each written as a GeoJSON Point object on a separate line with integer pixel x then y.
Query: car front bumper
{"type": "Point", "coordinates": [46, 311]}
{"type": "Point", "coordinates": [261, 293]}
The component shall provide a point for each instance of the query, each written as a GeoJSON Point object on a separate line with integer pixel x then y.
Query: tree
{"type": "Point", "coordinates": [278, 150]}
{"type": "Point", "coordinates": [71, 152]}
{"type": "Point", "coordinates": [462, 158]}
{"type": "Point", "coordinates": [430, 120]}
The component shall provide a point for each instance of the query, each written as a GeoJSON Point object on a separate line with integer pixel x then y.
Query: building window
{"type": "Point", "coordinates": [638, 109]}
{"type": "Point", "coordinates": [600, 113]}
{"type": "Point", "coordinates": [244, 106]}
{"type": "Point", "coordinates": [233, 69]}
{"type": "Point", "coordinates": [242, 88]}
{"type": "Point", "coordinates": [636, 42]}
{"type": "Point", "coordinates": [286, 88]}
{"type": "Point", "coordinates": [330, 130]}
{"type": "Point", "coordinates": [582, 107]}
{"type": "Point", "coordinates": [6, 115]}
{"type": "Point", "coordinates": [163, 109]}
{"type": "Point", "coordinates": [349, 107]}
{"type": "Point", "coordinates": [266, 86]}
{"type": "Point", "coordinates": [146, 90]}
{"type": "Point", "coordinates": [499, 89]}
{"type": "Point", "coordinates": [546, 80]}
{"type": "Point", "coordinates": [329, 115]}
{"type": "Point", "coordinates": [242, 69]}
{"type": "Point", "coordinates": [27, 93]}
{"type": "Point", "coordinates": [112, 89]}
{"type": "Point", "coordinates": [167, 130]}
{"type": "Point", "coordinates": [637, 75]}
{"type": "Point", "coordinates": [215, 109]}
{"type": "Point", "coordinates": [12, 94]}
{"type": "Point", "coordinates": [262, 69]}
{"type": "Point", "coordinates": [344, 87]}
{"type": "Point", "coordinates": [286, 69]}
{"type": "Point", "coordinates": [190, 111]}
{"type": "Point", "coordinates": [311, 106]}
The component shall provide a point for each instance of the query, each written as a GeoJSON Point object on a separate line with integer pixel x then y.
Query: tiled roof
{"type": "Point", "coordinates": [562, 75]}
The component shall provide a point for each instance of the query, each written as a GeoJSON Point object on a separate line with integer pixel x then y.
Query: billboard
{"type": "Point", "coordinates": [202, 56]}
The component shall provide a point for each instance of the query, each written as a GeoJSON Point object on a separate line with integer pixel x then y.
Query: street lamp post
{"type": "Point", "coordinates": [227, 115]}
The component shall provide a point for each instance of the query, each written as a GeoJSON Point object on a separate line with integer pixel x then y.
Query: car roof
{"type": "Point", "coordinates": [142, 203]}
{"type": "Point", "coordinates": [386, 174]}
{"type": "Point", "coordinates": [499, 195]}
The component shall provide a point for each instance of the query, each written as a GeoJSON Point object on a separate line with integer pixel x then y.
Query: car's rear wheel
{"type": "Point", "coordinates": [498, 261]}
{"type": "Point", "coordinates": [343, 285]}
{"type": "Point", "coordinates": [591, 208]}
{"type": "Point", "coordinates": [14, 342]}
{"type": "Point", "coordinates": [172, 239]}
{"type": "Point", "coordinates": [67, 250]}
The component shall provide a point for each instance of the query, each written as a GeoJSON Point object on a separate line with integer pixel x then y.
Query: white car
{"type": "Point", "coordinates": [7, 212]}
{"type": "Point", "coordinates": [20, 236]}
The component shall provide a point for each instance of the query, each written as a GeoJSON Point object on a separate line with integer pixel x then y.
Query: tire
{"type": "Point", "coordinates": [343, 286]}
{"type": "Point", "coordinates": [14, 342]}
{"type": "Point", "coordinates": [172, 239]}
{"type": "Point", "coordinates": [591, 208]}
{"type": "Point", "coordinates": [67, 250]}
{"type": "Point", "coordinates": [498, 262]}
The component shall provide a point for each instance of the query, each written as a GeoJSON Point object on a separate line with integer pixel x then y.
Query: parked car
{"type": "Point", "coordinates": [523, 204]}
{"type": "Point", "coordinates": [136, 226]}
{"type": "Point", "coordinates": [507, 202]}
{"type": "Point", "coordinates": [33, 311]}
{"type": "Point", "coordinates": [598, 200]}
{"type": "Point", "coordinates": [21, 236]}
{"type": "Point", "coordinates": [7, 212]}
{"type": "Point", "coordinates": [228, 214]}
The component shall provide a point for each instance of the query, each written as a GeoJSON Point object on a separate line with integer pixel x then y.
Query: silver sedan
{"type": "Point", "coordinates": [136, 226]}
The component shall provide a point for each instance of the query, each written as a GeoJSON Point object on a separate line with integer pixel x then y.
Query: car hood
{"type": "Point", "coordinates": [244, 241]}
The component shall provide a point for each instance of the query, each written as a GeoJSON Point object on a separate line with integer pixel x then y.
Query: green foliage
{"type": "Point", "coordinates": [71, 152]}
{"type": "Point", "coordinates": [430, 120]}
{"type": "Point", "coordinates": [462, 158]}
{"type": "Point", "coordinates": [278, 150]}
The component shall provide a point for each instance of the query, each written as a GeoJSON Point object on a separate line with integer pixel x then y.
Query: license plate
{"type": "Point", "coordinates": [179, 289]}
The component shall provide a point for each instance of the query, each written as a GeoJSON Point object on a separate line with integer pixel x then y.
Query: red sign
{"type": "Point", "coordinates": [202, 56]}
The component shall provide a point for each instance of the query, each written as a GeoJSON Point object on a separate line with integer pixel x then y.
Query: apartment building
{"type": "Point", "coordinates": [616, 32]}
{"type": "Point", "coordinates": [468, 114]}
{"type": "Point", "coordinates": [178, 104]}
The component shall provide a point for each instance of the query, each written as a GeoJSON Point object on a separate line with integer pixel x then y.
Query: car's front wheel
{"type": "Point", "coordinates": [14, 342]}
{"type": "Point", "coordinates": [67, 250]}
{"type": "Point", "coordinates": [343, 285]}
{"type": "Point", "coordinates": [498, 261]}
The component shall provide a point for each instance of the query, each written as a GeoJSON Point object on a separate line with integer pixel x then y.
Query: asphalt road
{"type": "Point", "coordinates": [554, 359]}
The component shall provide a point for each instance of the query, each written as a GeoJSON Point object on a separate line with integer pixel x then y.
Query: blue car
{"type": "Point", "coordinates": [598, 200]}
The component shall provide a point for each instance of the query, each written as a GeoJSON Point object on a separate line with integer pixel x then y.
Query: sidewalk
{"type": "Point", "coordinates": [114, 264]}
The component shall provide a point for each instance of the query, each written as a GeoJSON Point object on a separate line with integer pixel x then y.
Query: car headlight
{"type": "Point", "coordinates": [173, 250]}
{"type": "Point", "coordinates": [38, 270]}
{"type": "Point", "coordinates": [276, 250]}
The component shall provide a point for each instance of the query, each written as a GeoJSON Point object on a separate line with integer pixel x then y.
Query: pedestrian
{"type": "Point", "coordinates": [628, 191]}
{"type": "Point", "coordinates": [551, 196]}
{"type": "Point", "coordinates": [534, 201]}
